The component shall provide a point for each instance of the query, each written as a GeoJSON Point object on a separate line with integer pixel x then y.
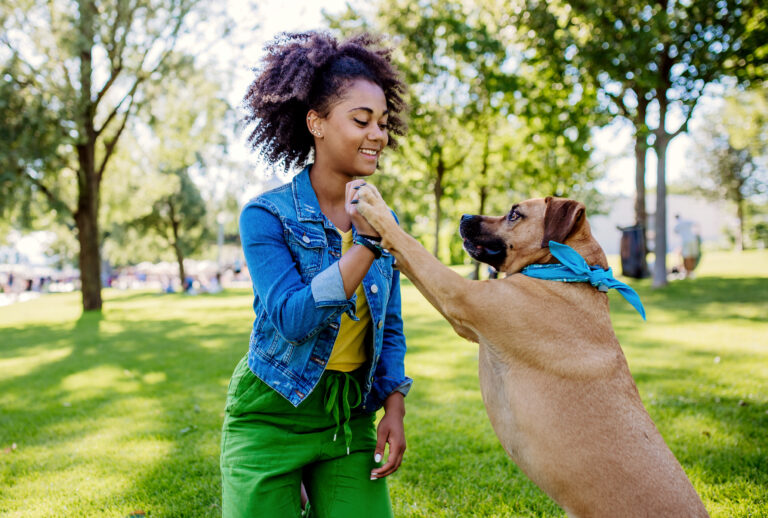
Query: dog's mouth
{"type": "Point", "coordinates": [487, 251]}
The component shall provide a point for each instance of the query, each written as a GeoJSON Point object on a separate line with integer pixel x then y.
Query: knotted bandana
{"type": "Point", "coordinates": [574, 268]}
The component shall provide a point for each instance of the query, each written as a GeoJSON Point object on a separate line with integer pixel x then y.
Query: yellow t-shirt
{"type": "Point", "coordinates": [349, 349]}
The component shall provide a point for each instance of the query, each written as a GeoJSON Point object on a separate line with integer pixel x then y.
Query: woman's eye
{"type": "Point", "coordinates": [361, 123]}
{"type": "Point", "coordinates": [384, 127]}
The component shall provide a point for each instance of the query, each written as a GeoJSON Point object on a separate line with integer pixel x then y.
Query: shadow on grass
{"type": "Point", "coordinates": [107, 366]}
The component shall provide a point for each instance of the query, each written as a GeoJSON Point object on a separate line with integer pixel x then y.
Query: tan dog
{"type": "Point", "coordinates": [553, 377]}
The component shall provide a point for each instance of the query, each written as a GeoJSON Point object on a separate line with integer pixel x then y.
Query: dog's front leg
{"type": "Point", "coordinates": [446, 290]}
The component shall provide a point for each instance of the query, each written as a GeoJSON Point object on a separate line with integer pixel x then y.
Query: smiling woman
{"type": "Point", "coordinates": [327, 346]}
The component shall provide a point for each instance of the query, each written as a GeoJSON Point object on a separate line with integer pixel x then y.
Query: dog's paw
{"type": "Point", "coordinates": [373, 207]}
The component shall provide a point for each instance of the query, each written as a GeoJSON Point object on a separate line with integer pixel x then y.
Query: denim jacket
{"type": "Point", "coordinates": [292, 251]}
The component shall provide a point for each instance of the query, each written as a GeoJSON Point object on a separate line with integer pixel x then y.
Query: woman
{"type": "Point", "coordinates": [327, 346]}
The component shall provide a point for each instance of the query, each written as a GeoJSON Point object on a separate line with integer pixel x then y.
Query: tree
{"type": "Point", "coordinates": [179, 219]}
{"type": "Point", "coordinates": [730, 152]}
{"type": "Point", "coordinates": [470, 102]}
{"type": "Point", "coordinates": [169, 143]}
{"type": "Point", "coordinates": [100, 59]}
{"type": "Point", "coordinates": [651, 59]}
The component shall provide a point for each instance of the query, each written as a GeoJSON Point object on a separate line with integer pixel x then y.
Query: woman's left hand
{"type": "Point", "coordinates": [390, 431]}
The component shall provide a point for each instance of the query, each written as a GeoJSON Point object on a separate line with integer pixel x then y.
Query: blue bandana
{"type": "Point", "coordinates": [575, 269]}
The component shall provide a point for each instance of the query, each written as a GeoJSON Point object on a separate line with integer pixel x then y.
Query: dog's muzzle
{"type": "Point", "coordinates": [486, 248]}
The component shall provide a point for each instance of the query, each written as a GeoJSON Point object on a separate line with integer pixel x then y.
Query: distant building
{"type": "Point", "coordinates": [715, 221]}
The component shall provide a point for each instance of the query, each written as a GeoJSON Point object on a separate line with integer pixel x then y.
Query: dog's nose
{"type": "Point", "coordinates": [465, 217]}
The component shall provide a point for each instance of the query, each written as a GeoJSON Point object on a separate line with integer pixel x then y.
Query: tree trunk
{"type": "Point", "coordinates": [438, 190]}
{"type": "Point", "coordinates": [641, 150]}
{"type": "Point", "coordinates": [740, 230]}
{"type": "Point", "coordinates": [660, 246]}
{"type": "Point", "coordinates": [87, 214]}
{"type": "Point", "coordinates": [86, 219]}
{"type": "Point", "coordinates": [483, 192]}
{"type": "Point", "coordinates": [177, 246]}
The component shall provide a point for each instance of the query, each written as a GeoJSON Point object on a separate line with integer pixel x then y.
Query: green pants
{"type": "Point", "coordinates": [268, 447]}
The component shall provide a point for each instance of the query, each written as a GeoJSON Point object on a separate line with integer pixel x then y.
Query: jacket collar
{"type": "Point", "coordinates": [305, 199]}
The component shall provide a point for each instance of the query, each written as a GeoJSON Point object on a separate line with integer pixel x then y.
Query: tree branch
{"type": "Point", "coordinates": [54, 200]}
{"type": "Point", "coordinates": [619, 101]}
{"type": "Point", "coordinates": [109, 145]}
{"type": "Point", "coordinates": [112, 77]}
{"type": "Point", "coordinates": [139, 78]}
{"type": "Point", "coordinates": [684, 126]}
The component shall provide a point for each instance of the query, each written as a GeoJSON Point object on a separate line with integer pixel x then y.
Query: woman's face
{"type": "Point", "coordinates": [354, 133]}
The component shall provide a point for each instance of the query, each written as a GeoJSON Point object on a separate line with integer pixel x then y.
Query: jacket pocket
{"type": "Point", "coordinates": [307, 245]}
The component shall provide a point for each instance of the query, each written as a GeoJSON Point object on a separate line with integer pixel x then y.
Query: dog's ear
{"type": "Point", "coordinates": [560, 219]}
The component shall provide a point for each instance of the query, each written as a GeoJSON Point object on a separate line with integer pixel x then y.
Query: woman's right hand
{"type": "Point", "coordinates": [360, 223]}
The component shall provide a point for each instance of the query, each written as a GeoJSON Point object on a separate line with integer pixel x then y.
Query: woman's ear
{"type": "Point", "coordinates": [314, 124]}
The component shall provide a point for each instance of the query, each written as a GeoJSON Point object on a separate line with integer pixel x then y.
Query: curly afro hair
{"type": "Point", "coordinates": [311, 70]}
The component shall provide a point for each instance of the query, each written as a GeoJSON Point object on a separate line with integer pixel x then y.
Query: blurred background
{"type": "Point", "coordinates": [123, 161]}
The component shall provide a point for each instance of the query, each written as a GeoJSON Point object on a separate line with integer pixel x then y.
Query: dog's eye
{"type": "Point", "coordinates": [514, 215]}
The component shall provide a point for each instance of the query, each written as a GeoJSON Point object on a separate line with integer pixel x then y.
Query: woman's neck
{"type": "Point", "coordinates": [330, 189]}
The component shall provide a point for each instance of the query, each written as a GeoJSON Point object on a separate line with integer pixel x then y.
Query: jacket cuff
{"type": "Point", "coordinates": [382, 388]}
{"type": "Point", "coordinates": [328, 289]}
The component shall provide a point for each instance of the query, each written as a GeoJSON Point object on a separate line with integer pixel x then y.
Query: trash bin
{"type": "Point", "coordinates": [632, 250]}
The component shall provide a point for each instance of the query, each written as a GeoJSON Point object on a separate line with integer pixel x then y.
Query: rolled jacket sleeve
{"type": "Point", "coordinates": [298, 310]}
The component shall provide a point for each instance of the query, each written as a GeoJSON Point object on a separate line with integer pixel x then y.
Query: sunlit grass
{"type": "Point", "coordinates": [121, 411]}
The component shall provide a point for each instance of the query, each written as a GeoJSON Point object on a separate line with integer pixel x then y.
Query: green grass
{"type": "Point", "coordinates": [121, 411]}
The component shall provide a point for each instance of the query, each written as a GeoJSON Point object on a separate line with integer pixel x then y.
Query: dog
{"type": "Point", "coordinates": [553, 377]}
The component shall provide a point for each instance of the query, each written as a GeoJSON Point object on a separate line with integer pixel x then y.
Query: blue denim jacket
{"type": "Point", "coordinates": [292, 251]}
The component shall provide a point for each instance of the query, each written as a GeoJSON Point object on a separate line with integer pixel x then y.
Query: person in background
{"type": "Point", "coordinates": [327, 348]}
{"type": "Point", "coordinates": [691, 244]}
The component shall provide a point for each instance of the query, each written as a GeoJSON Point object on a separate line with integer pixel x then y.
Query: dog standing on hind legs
{"type": "Point", "coordinates": [553, 377]}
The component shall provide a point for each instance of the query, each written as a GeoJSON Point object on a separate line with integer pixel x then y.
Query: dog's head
{"type": "Point", "coordinates": [521, 237]}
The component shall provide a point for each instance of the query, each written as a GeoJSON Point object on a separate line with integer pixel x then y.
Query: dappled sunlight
{"type": "Point", "coordinates": [24, 365]}
{"type": "Point", "coordinates": [93, 382]}
{"type": "Point", "coordinates": [97, 458]}
{"type": "Point", "coordinates": [122, 410]}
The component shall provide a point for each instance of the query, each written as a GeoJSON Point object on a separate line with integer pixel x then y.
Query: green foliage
{"type": "Point", "coordinates": [647, 57]}
{"type": "Point", "coordinates": [730, 157]}
{"type": "Point", "coordinates": [121, 410]}
{"type": "Point", "coordinates": [153, 199]}
{"type": "Point", "coordinates": [723, 170]}
{"type": "Point", "coordinates": [483, 127]}
{"type": "Point", "coordinates": [30, 136]}
{"type": "Point", "coordinates": [179, 217]}
{"type": "Point", "coordinates": [78, 73]}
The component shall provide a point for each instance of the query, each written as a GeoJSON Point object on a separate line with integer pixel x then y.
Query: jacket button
{"type": "Point", "coordinates": [380, 324]}
{"type": "Point", "coordinates": [374, 289]}
{"type": "Point", "coordinates": [305, 239]}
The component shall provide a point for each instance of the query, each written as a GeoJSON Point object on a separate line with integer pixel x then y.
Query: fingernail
{"type": "Point", "coordinates": [357, 186]}
{"type": "Point", "coordinates": [373, 477]}
{"type": "Point", "coordinates": [377, 457]}
{"type": "Point", "coordinates": [354, 202]}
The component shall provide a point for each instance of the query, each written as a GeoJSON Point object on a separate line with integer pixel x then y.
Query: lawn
{"type": "Point", "coordinates": [105, 414]}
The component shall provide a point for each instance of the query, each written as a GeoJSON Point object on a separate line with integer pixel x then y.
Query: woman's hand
{"type": "Point", "coordinates": [390, 431]}
{"type": "Point", "coordinates": [360, 223]}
